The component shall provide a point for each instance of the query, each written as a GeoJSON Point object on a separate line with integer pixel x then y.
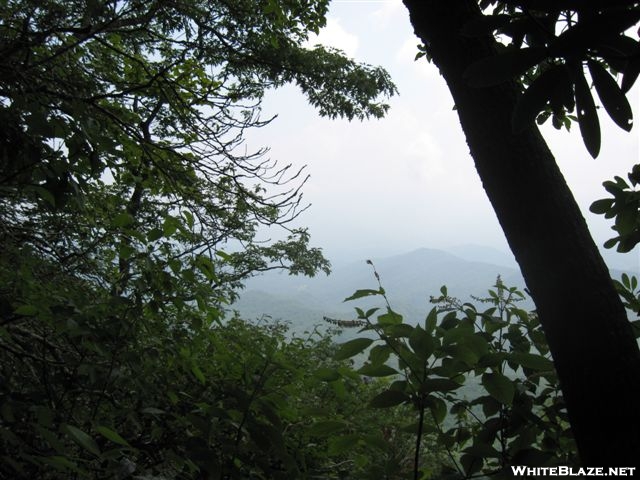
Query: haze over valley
{"type": "Point", "coordinates": [409, 280]}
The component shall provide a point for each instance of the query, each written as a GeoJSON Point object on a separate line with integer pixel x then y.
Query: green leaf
{"type": "Point", "coordinates": [490, 406]}
{"type": "Point", "coordinates": [587, 115]}
{"type": "Point", "coordinates": [153, 411]}
{"type": "Point", "coordinates": [112, 435]}
{"type": "Point", "coordinates": [343, 443]}
{"type": "Point", "coordinates": [170, 225]}
{"type": "Point", "coordinates": [438, 408]}
{"type": "Point", "coordinates": [195, 369]}
{"type": "Point", "coordinates": [631, 73]}
{"type": "Point", "coordinates": [506, 66]}
{"type": "Point", "coordinates": [188, 216]}
{"type": "Point", "coordinates": [39, 124]}
{"type": "Point", "coordinates": [62, 463]}
{"type": "Point", "coordinates": [154, 234]}
{"type": "Point", "coordinates": [471, 464]}
{"type": "Point", "coordinates": [421, 342]}
{"type": "Point", "coordinates": [45, 194]}
{"type": "Point", "coordinates": [370, 312]}
{"type": "Point", "coordinates": [537, 95]}
{"type": "Point", "coordinates": [376, 441]}
{"type": "Point", "coordinates": [326, 374]}
{"type": "Point", "coordinates": [362, 293]}
{"type": "Point", "coordinates": [459, 332]}
{"type": "Point", "coordinates": [600, 207]}
{"type": "Point", "coordinates": [206, 266]}
{"type": "Point", "coordinates": [431, 321]}
{"type": "Point", "coordinates": [389, 398]}
{"type": "Point", "coordinates": [382, 370]}
{"type": "Point", "coordinates": [26, 310]}
{"type": "Point", "coordinates": [411, 428]}
{"type": "Point", "coordinates": [532, 361]}
{"type": "Point", "coordinates": [625, 280]}
{"type": "Point", "coordinates": [379, 354]}
{"type": "Point", "coordinates": [439, 385]}
{"type": "Point", "coordinates": [326, 428]}
{"type": "Point", "coordinates": [400, 330]}
{"type": "Point", "coordinates": [477, 344]}
{"type": "Point", "coordinates": [315, 411]}
{"type": "Point", "coordinates": [617, 187]}
{"type": "Point", "coordinates": [224, 256]}
{"type": "Point", "coordinates": [604, 24]}
{"type": "Point", "coordinates": [614, 101]}
{"type": "Point", "coordinates": [52, 439]}
{"type": "Point", "coordinates": [126, 251]}
{"type": "Point", "coordinates": [462, 353]}
{"type": "Point", "coordinates": [627, 219]}
{"type": "Point", "coordinates": [352, 348]}
{"type": "Point", "coordinates": [492, 360]}
{"type": "Point", "coordinates": [499, 387]}
{"type": "Point", "coordinates": [82, 439]}
{"type": "Point", "coordinates": [123, 220]}
{"type": "Point", "coordinates": [449, 321]}
{"type": "Point", "coordinates": [611, 242]}
{"type": "Point", "coordinates": [390, 318]}
{"type": "Point", "coordinates": [635, 326]}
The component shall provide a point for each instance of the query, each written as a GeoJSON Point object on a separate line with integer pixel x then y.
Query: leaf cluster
{"type": "Point", "coordinates": [624, 207]}
{"type": "Point", "coordinates": [546, 47]}
{"type": "Point", "coordinates": [484, 378]}
{"type": "Point", "coordinates": [97, 386]}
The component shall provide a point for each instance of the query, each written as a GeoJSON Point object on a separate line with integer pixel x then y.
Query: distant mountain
{"type": "Point", "coordinates": [409, 280]}
{"type": "Point", "coordinates": [481, 253]}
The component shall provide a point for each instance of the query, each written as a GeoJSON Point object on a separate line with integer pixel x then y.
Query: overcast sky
{"type": "Point", "coordinates": [382, 187]}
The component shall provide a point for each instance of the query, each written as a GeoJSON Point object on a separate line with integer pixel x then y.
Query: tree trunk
{"type": "Point", "coordinates": [591, 340]}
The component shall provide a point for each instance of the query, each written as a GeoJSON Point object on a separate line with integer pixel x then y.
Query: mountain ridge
{"type": "Point", "coordinates": [409, 280]}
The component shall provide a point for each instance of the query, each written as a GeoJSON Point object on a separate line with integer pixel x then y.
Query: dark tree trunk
{"type": "Point", "coordinates": [591, 340]}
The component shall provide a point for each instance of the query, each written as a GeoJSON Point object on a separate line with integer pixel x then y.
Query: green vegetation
{"type": "Point", "coordinates": [233, 401]}
{"type": "Point", "coordinates": [480, 381]}
{"type": "Point", "coordinates": [128, 217]}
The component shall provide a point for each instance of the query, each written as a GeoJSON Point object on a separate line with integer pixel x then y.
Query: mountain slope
{"type": "Point", "coordinates": [408, 279]}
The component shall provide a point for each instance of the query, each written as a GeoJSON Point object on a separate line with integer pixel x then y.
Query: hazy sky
{"type": "Point", "coordinates": [388, 186]}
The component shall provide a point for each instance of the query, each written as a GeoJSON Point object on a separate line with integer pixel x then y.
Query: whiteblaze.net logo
{"type": "Point", "coordinates": [523, 471]}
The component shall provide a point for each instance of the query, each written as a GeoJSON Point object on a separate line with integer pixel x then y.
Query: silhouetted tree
{"type": "Point", "coordinates": [593, 346]}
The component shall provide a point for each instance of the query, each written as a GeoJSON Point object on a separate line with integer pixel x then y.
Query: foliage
{"type": "Point", "coordinates": [483, 376]}
{"type": "Point", "coordinates": [129, 215]}
{"type": "Point", "coordinates": [124, 121]}
{"type": "Point", "coordinates": [548, 45]}
{"type": "Point", "coordinates": [137, 396]}
{"type": "Point", "coordinates": [85, 84]}
{"type": "Point", "coordinates": [624, 207]}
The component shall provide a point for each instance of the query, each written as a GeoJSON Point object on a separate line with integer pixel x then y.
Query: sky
{"type": "Point", "coordinates": [407, 181]}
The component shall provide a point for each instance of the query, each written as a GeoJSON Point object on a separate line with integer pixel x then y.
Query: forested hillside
{"type": "Point", "coordinates": [410, 280]}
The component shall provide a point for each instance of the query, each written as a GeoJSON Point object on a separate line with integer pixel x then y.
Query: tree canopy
{"type": "Point", "coordinates": [129, 209]}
